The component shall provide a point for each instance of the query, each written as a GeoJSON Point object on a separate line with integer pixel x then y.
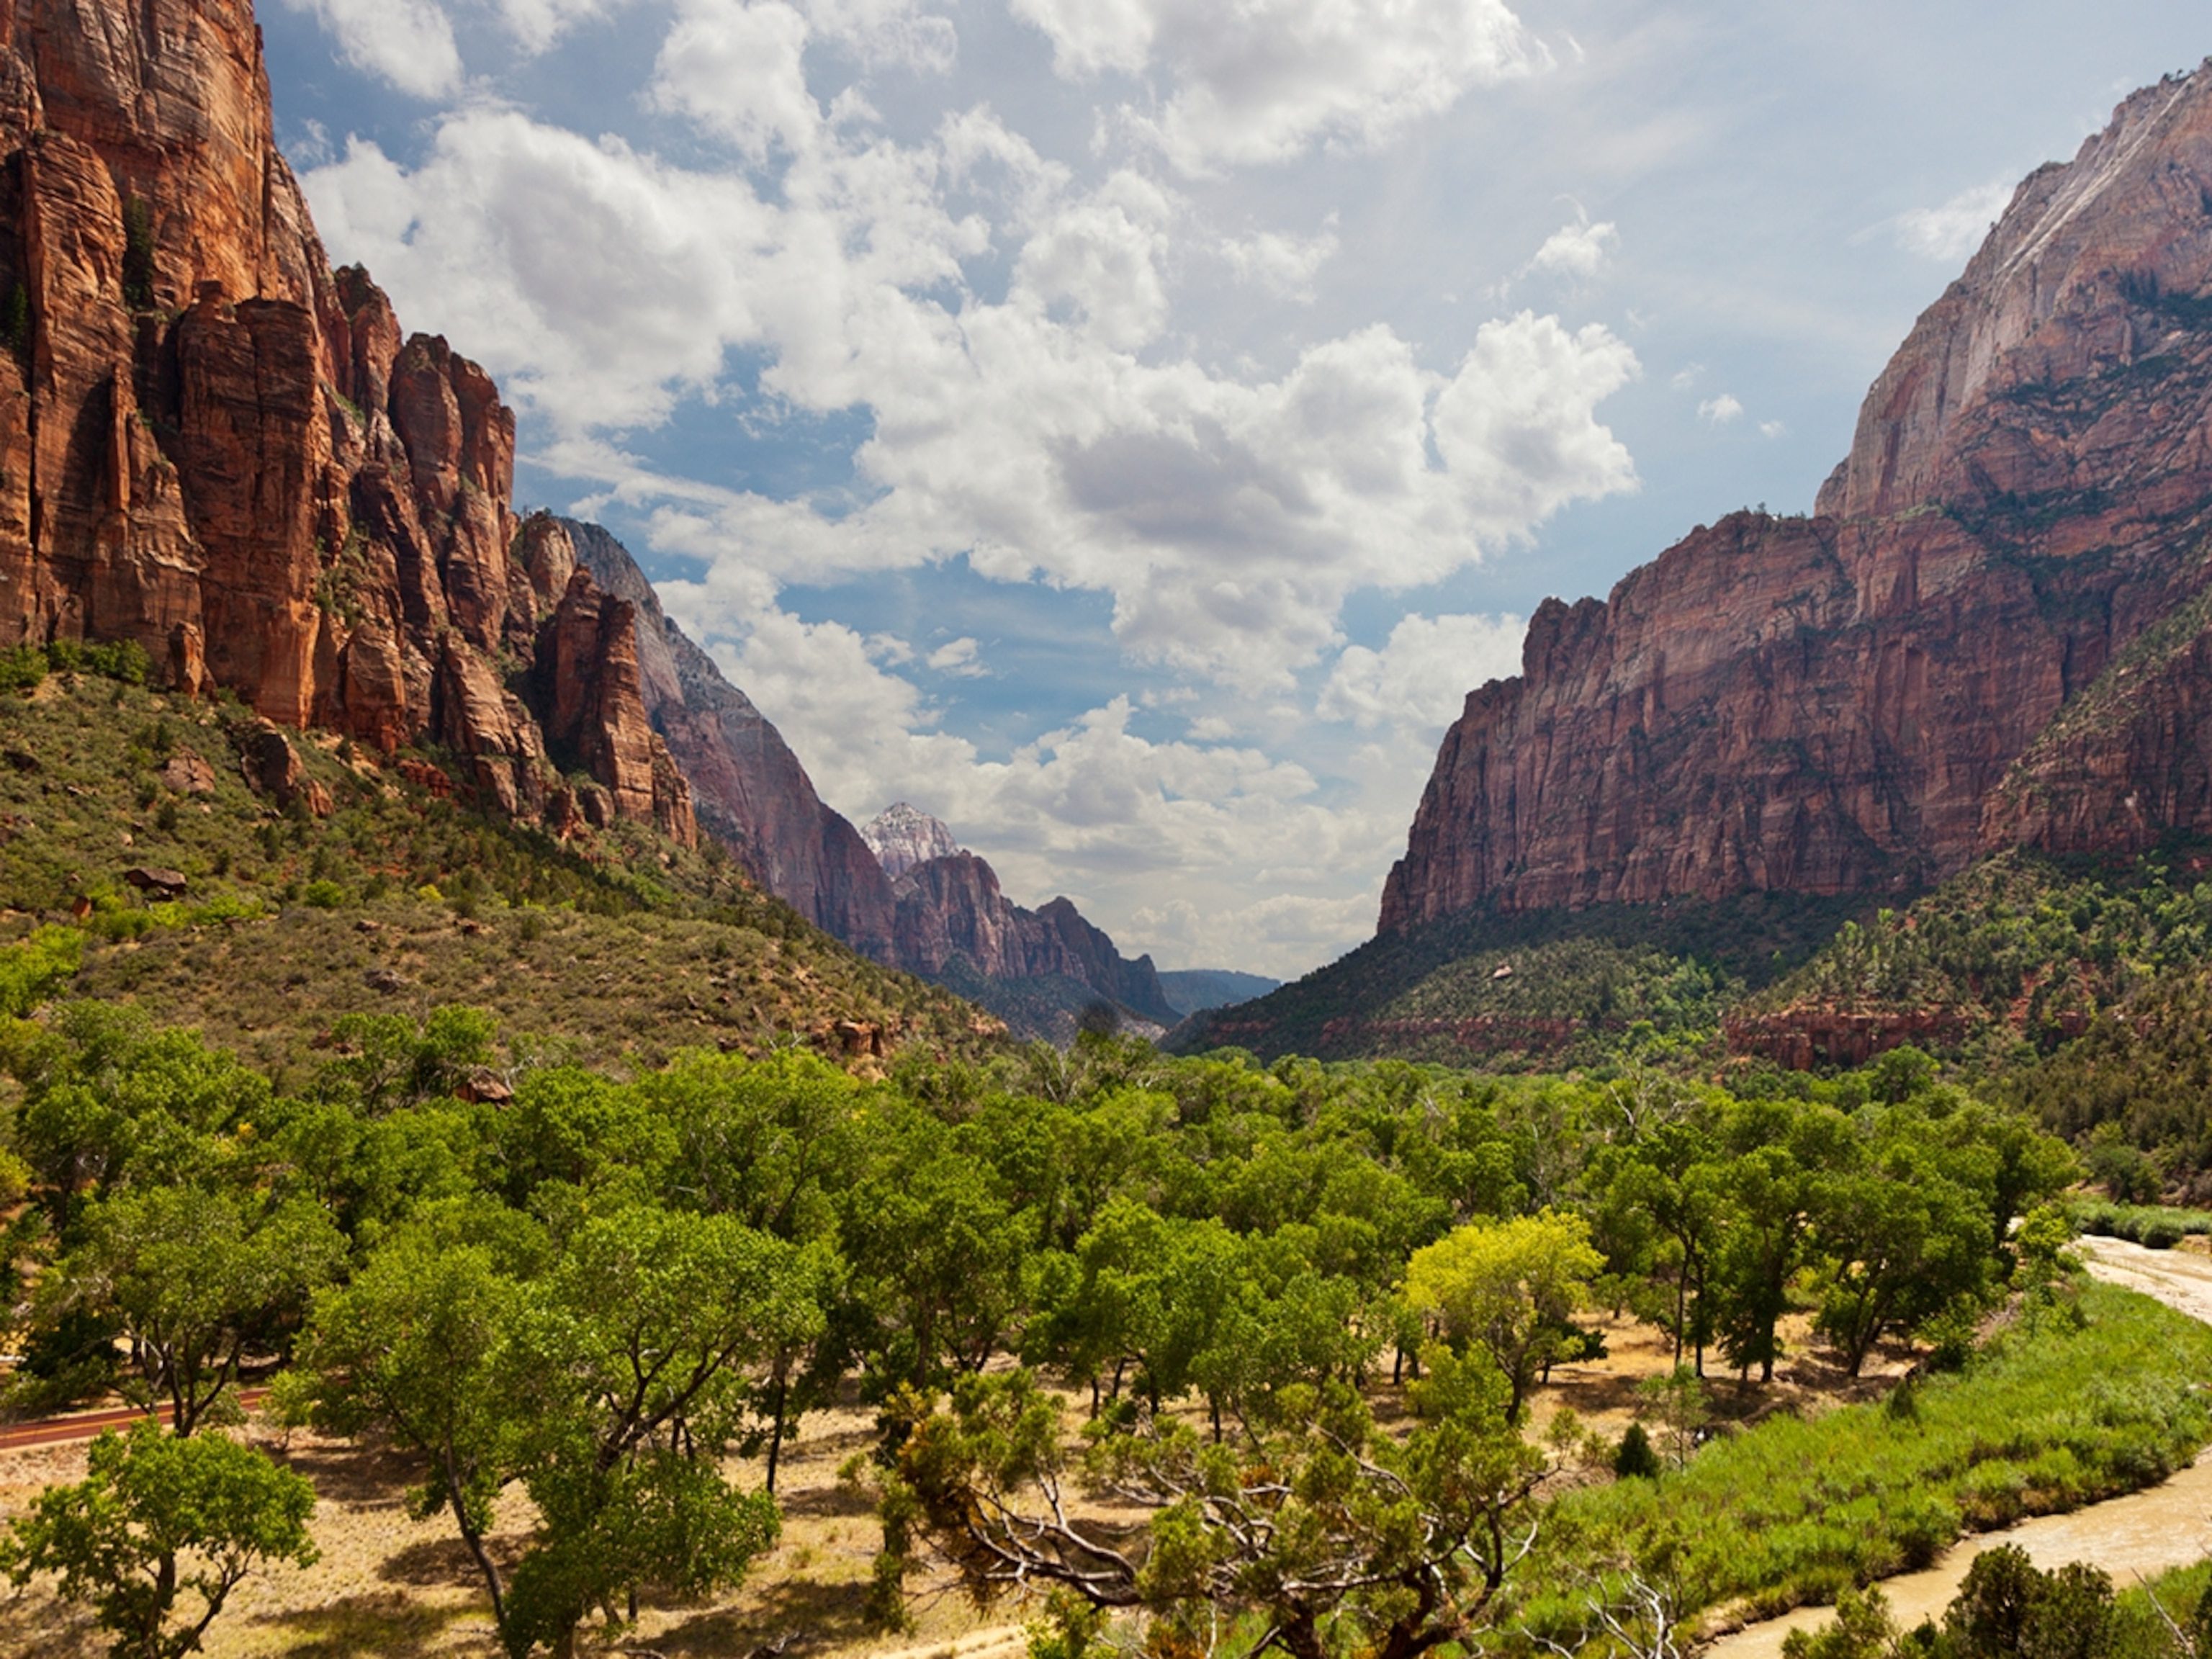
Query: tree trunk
{"type": "Point", "coordinates": [776, 1430]}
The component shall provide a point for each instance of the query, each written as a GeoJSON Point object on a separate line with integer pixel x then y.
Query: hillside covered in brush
{"type": "Point", "coordinates": [190, 858]}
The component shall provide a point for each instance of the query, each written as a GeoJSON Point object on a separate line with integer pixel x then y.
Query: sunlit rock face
{"type": "Point", "coordinates": [901, 838]}
{"type": "Point", "coordinates": [1995, 629]}
{"type": "Point", "coordinates": [214, 445]}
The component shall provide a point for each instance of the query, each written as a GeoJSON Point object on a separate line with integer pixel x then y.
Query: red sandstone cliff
{"type": "Point", "coordinates": [214, 446]}
{"type": "Point", "coordinates": [1994, 630]}
{"type": "Point", "coordinates": [750, 791]}
{"type": "Point", "coordinates": [951, 912]}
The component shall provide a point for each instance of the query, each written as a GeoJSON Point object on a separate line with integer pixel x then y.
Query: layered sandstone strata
{"type": "Point", "coordinates": [1990, 632]}
{"type": "Point", "coordinates": [213, 445]}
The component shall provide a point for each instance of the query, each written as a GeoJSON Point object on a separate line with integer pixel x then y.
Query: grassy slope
{"type": "Point", "coordinates": [1581, 980]}
{"type": "Point", "coordinates": [618, 949]}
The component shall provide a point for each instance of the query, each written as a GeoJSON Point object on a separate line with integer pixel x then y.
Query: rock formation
{"type": "Point", "coordinates": [1995, 629]}
{"type": "Point", "coordinates": [901, 838]}
{"type": "Point", "coordinates": [750, 790]}
{"type": "Point", "coordinates": [214, 446]}
{"type": "Point", "coordinates": [951, 914]}
{"type": "Point", "coordinates": [900, 891]}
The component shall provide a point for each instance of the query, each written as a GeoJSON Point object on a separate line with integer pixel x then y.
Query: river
{"type": "Point", "coordinates": [2141, 1535]}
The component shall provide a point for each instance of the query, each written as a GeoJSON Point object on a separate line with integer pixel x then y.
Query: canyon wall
{"type": "Point", "coordinates": [1994, 629]}
{"type": "Point", "coordinates": [214, 446]}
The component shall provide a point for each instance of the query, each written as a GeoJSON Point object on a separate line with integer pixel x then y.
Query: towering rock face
{"type": "Point", "coordinates": [1995, 629]}
{"type": "Point", "coordinates": [952, 916]}
{"type": "Point", "coordinates": [750, 792]}
{"type": "Point", "coordinates": [900, 891]}
{"type": "Point", "coordinates": [214, 446]}
{"type": "Point", "coordinates": [901, 838]}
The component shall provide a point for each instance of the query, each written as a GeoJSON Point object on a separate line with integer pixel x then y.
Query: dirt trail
{"type": "Point", "coordinates": [2139, 1536]}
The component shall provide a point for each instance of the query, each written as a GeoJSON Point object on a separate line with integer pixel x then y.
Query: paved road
{"type": "Point", "coordinates": [88, 1426]}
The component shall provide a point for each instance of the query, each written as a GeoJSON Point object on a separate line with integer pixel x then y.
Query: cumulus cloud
{"type": "Point", "coordinates": [536, 25]}
{"type": "Point", "coordinates": [1007, 326]}
{"type": "Point", "coordinates": [1720, 411]}
{"type": "Point", "coordinates": [1283, 265]}
{"type": "Point", "coordinates": [408, 43]}
{"type": "Point", "coordinates": [738, 71]}
{"type": "Point", "coordinates": [887, 32]}
{"type": "Point", "coordinates": [1950, 233]}
{"type": "Point", "coordinates": [1095, 808]}
{"type": "Point", "coordinates": [959, 656]}
{"type": "Point", "coordinates": [1420, 678]}
{"type": "Point", "coordinates": [1577, 250]}
{"type": "Point", "coordinates": [1038, 433]}
{"type": "Point", "coordinates": [1265, 81]}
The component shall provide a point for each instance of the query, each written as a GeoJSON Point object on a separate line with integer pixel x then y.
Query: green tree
{"type": "Point", "coordinates": [938, 1254]}
{"type": "Point", "coordinates": [1901, 1245]}
{"type": "Point", "coordinates": [2007, 1608]}
{"type": "Point", "coordinates": [626, 1371]}
{"type": "Point", "coordinates": [1510, 1288]}
{"type": "Point", "coordinates": [412, 1350]}
{"type": "Point", "coordinates": [1334, 1536]}
{"type": "Point", "coordinates": [160, 1532]}
{"type": "Point", "coordinates": [196, 1279]}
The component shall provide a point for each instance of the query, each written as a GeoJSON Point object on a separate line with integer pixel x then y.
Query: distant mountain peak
{"type": "Point", "coordinates": [902, 837]}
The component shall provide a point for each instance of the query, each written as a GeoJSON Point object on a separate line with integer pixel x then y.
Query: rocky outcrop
{"type": "Point", "coordinates": [902, 837]}
{"type": "Point", "coordinates": [1988, 634]}
{"type": "Point", "coordinates": [748, 789]}
{"type": "Point", "coordinates": [214, 446]}
{"type": "Point", "coordinates": [951, 914]}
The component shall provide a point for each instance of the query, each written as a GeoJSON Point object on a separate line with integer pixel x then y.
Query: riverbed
{"type": "Point", "coordinates": [2139, 1536]}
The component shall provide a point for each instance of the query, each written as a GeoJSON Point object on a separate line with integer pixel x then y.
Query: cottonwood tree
{"type": "Point", "coordinates": [160, 1532]}
{"type": "Point", "coordinates": [1509, 1288]}
{"type": "Point", "coordinates": [1329, 1531]}
{"type": "Point", "coordinates": [195, 1278]}
{"type": "Point", "coordinates": [608, 1383]}
{"type": "Point", "coordinates": [410, 1351]}
{"type": "Point", "coordinates": [627, 1369]}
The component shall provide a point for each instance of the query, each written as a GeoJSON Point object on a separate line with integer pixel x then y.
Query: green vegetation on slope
{"type": "Point", "coordinates": [2078, 989]}
{"type": "Point", "coordinates": [2020, 948]}
{"type": "Point", "coordinates": [617, 946]}
{"type": "Point", "coordinates": [1581, 984]}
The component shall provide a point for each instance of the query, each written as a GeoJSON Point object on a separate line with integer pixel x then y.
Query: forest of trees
{"type": "Point", "coordinates": [596, 1290]}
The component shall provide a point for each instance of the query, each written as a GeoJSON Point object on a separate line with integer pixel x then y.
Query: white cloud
{"type": "Point", "coordinates": [1421, 677]}
{"type": "Point", "coordinates": [1094, 808]}
{"type": "Point", "coordinates": [537, 24]}
{"type": "Point", "coordinates": [1283, 265]}
{"type": "Point", "coordinates": [1229, 519]}
{"type": "Point", "coordinates": [1577, 250]}
{"type": "Point", "coordinates": [1009, 326]}
{"type": "Point", "coordinates": [1720, 411]}
{"type": "Point", "coordinates": [1266, 80]}
{"type": "Point", "coordinates": [1772, 429]}
{"type": "Point", "coordinates": [887, 32]}
{"type": "Point", "coordinates": [406, 43]}
{"type": "Point", "coordinates": [1950, 233]}
{"type": "Point", "coordinates": [956, 657]}
{"type": "Point", "coordinates": [739, 71]}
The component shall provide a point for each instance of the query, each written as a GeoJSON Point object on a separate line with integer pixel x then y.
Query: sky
{"type": "Point", "coordinates": [1127, 429]}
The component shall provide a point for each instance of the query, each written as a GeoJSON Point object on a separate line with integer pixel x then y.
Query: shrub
{"type": "Point", "coordinates": [22, 668]}
{"type": "Point", "coordinates": [324, 894]}
{"type": "Point", "coordinates": [1636, 1460]}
